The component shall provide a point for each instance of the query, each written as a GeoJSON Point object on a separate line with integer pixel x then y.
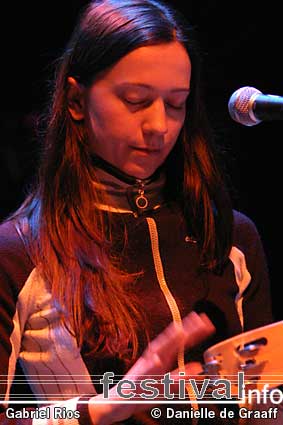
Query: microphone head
{"type": "Point", "coordinates": [240, 106]}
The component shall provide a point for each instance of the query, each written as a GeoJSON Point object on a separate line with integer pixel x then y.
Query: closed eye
{"type": "Point", "coordinates": [146, 102]}
{"type": "Point", "coordinates": [133, 102]}
{"type": "Point", "coordinates": [137, 104]}
{"type": "Point", "coordinates": [178, 107]}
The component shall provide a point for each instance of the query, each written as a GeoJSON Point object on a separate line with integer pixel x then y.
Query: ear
{"type": "Point", "coordinates": [75, 97]}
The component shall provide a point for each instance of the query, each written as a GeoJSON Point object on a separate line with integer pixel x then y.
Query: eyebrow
{"type": "Point", "coordinates": [147, 86]}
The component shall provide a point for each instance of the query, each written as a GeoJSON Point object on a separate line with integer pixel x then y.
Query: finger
{"type": "Point", "coordinates": [162, 351]}
{"type": "Point", "coordinates": [209, 325]}
{"type": "Point", "coordinates": [193, 329]}
{"type": "Point", "coordinates": [193, 369]}
{"type": "Point", "coordinates": [196, 328]}
{"type": "Point", "coordinates": [169, 340]}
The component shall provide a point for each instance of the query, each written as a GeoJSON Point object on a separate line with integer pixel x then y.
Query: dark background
{"type": "Point", "coordinates": [242, 45]}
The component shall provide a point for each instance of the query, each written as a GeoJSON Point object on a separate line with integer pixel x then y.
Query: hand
{"type": "Point", "coordinates": [157, 359]}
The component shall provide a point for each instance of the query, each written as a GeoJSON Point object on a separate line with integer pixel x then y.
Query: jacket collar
{"type": "Point", "coordinates": [125, 193]}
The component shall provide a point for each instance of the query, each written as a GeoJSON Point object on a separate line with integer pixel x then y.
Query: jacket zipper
{"type": "Point", "coordinates": [177, 319]}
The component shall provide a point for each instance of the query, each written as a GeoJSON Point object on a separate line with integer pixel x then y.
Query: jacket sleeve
{"type": "Point", "coordinates": [15, 267]}
{"type": "Point", "coordinates": [257, 300]}
{"type": "Point", "coordinates": [12, 275]}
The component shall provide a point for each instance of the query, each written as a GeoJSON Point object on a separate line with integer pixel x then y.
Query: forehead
{"type": "Point", "coordinates": [161, 66]}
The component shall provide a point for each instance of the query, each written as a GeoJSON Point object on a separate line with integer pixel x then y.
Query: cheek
{"type": "Point", "coordinates": [175, 131]}
{"type": "Point", "coordinates": [111, 120]}
{"type": "Point", "coordinates": [108, 138]}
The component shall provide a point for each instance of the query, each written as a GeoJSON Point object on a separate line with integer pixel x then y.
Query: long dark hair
{"type": "Point", "coordinates": [68, 238]}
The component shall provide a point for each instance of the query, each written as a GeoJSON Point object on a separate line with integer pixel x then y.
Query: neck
{"type": "Point", "coordinates": [104, 165]}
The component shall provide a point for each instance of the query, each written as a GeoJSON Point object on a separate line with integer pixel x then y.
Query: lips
{"type": "Point", "coordinates": [145, 149]}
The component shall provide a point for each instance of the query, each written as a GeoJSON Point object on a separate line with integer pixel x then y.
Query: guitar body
{"type": "Point", "coordinates": [258, 353]}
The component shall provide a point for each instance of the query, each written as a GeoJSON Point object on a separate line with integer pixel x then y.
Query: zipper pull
{"type": "Point", "coordinates": [141, 200]}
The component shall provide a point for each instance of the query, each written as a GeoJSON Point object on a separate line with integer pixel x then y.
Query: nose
{"type": "Point", "coordinates": [155, 120]}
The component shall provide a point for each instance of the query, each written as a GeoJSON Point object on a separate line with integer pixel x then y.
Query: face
{"type": "Point", "coordinates": [135, 112]}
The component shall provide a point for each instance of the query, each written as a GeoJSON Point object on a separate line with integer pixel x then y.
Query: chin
{"type": "Point", "coordinates": [141, 173]}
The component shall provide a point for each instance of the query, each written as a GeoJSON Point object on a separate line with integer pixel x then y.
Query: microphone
{"type": "Point", "coordinates": [248, 106]}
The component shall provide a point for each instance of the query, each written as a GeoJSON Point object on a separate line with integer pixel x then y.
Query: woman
{"type": "Point", "coordinates": [130, 225]}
